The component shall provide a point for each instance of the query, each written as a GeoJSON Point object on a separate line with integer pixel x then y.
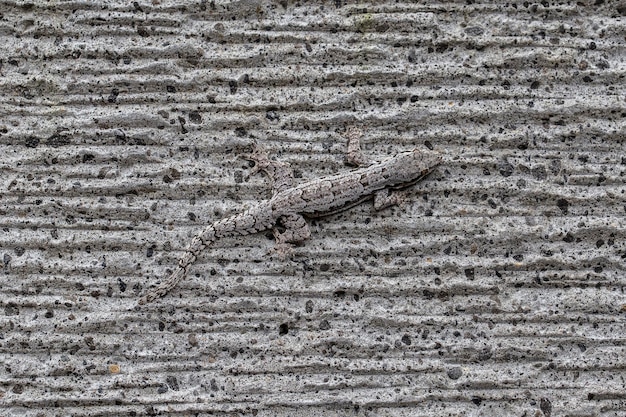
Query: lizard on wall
{"type": "Point", "coordinates": [291, 204]}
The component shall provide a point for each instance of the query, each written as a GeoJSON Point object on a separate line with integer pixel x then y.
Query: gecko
{"type": "Point", "coordinates": [291, 204]}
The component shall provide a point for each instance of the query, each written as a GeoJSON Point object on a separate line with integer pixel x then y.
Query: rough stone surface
{"type": "Point", "coordinates": [498, 290]}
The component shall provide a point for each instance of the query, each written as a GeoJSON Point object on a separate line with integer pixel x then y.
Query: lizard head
{"type": "Point", "coordinates": [407, 168]}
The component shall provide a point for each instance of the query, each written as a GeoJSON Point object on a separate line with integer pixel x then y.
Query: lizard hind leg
{"type": "Point", "coordinates": [386, 198]}
{"type": "Point", "coordinates": [279, 173]}
{"type": "Point", "coordinates": [296, 230]}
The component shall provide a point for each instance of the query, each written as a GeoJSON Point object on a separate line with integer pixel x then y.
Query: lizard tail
{"type": "Point", "coordinates": [196, 246]}
{"type": "Point", "coordinates": [251, 221]}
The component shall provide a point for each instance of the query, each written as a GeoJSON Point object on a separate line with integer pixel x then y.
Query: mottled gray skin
{"type": "Point", "coordinates": [291, 204]}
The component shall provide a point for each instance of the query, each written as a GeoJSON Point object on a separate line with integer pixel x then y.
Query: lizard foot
{"type": "Point", "coordinates": [279, 173]}
{"type": "Point", "coordinates": [282, 250]}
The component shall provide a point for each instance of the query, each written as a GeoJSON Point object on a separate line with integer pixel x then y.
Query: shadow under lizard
{"type": "Point", "coordinates": [291, 204]}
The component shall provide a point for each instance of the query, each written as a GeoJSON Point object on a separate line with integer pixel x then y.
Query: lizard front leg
{"type": "Point", "coordinates": [354, 155]}
{"type": "Point", "coordinates": [279, 173]}
{"type": "Point", "coordinates": [296, 230]}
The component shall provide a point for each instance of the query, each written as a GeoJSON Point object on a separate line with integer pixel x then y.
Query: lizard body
{"type": "Point", "coordinates": [290, 204]}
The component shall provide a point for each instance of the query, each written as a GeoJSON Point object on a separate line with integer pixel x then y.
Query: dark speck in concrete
{"type": "Point", "coordinates": [113, 96]}
{"type": "Point", "coordinates": [174, 173]}
{"type": "Point", "coordinates": [539, 172]}
{"type": "Point", "coordinates": [271, 115]}
{"type": "Point", "coordinates": [505, 169]}
{"type": "Point", "coordinates": [90, 343]}
{"type": "Point", "coordinates": [474, 31]}
{"type": "Point", "coordinates": [57, 140]}
{"type": "Point", "coordinates": [214, 386]}
{"type": "Point", "coordinates": [31, 142]}
{"type": "Point", "coordinates": [195, 117]}
{"type": "Point", "coordinates": [545, 405]}
{"type": "Point", "coordinates": [172, 382]}
{"type": "Point", "coordinates": [11, 309]}
{"type": "Point", "coordinates": [233, 86]}
{"type": "Point", "coordinates": [455, 373]}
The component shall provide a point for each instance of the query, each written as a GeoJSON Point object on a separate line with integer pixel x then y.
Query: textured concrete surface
{"type": "Point", "coordinates": [498, 290]}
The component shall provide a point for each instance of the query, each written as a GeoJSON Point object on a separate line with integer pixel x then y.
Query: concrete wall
{"type": "Point", "coordinates": [497, 290]}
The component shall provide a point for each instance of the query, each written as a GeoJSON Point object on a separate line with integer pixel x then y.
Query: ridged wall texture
{"type": "Point", "coordinates": [497, 289]}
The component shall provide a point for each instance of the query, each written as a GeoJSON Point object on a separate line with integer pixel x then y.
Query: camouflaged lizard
{"type": "Point", "coordinates": [291, 204]}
